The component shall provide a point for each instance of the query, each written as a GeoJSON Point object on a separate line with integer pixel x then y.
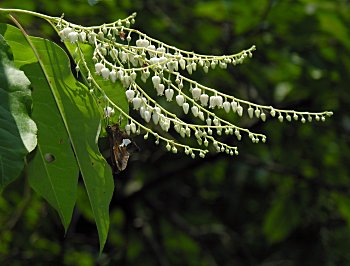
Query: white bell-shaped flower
{"type": "Point", "coordinates": [218, 101]}
{"type": "Point", "coordinates": [113, 76]}
{"type": "Point", "coordinates": [204, 99]}
{"type": "Point", "coordinates": [136, 102]}
{"type": "Point", "coordinates": [156, 81]}
{"type": "Point", "coordinates": [161, 49]}
{"type": "Point", "coordinates": [105, 72]}
{"type": "Point", "coordinates": [120, 74]}
{"type": "Point", "coordinates": [160, 89]}
{"type": "Point", "coordinates": [130, 94]}
{"type": "Point", "coordinates": [212, 101]}
{"type": "Point", "coordinates": [82, 36]}
{"type": "Point", "coordinates": [98, 67]}
{"type": "Point", "coordinates": [154, 60]}
{"type": "Point", "coordinates": [196, 93]}
{"type": "Point", "coordinates": [169, 93]}
{"type": "Point", "coordinates": [73, 37]}
{"type": "Point", "coordinates": [114, 53]}
{"type": "Point", "coordinates": [180, 99]}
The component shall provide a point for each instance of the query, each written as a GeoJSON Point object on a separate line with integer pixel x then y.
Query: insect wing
{"type": "Point", "coordinates": [121, 156]}
{"type": "Point", "coordinates": [120, 146]}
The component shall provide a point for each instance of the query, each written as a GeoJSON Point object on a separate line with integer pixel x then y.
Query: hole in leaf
{"type": "Point", "coordinates": [49, 157]}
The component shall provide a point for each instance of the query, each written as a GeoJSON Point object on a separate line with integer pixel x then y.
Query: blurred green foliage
{"type": "Point", "coordinates": [282, 203]}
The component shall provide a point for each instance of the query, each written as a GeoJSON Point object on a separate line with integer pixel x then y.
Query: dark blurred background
{"type": "Point", "coordinates": [285, 202]}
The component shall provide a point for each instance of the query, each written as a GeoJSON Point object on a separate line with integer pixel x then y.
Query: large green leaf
{"type": "Point", "coordinates": [53, 172]}
{"type": "Point", "coordinates": [81, 119]}
{"type": "Point", "coordinates": [18, 130]}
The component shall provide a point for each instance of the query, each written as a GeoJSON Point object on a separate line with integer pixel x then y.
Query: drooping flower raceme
{"type": "Point", "coordinates": [130, 57]}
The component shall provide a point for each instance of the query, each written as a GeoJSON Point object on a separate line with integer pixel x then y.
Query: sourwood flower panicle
{"type": "Point", "coordinates": [122, 55]}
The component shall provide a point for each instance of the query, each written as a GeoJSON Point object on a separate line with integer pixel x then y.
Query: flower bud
{"type": "Point", "coordinates": [227, 106]}
{"type": "Point", "coordinates": [147, 116]}
{"type": "Point", "coordinates": [250, 112]}
{"type": "Point", "coordinates": [114, 54]}
{"type": "Point", "coordinates": [182, 63]}
{"type": "Point", "coordinates": [155, 118]}
{"type": "Point", "coordinates": [208, 121]}
{"type": "Point", "coordinates": [133, 127]}
{"type": "Point", "coordinates": [234, 106]}
{"type": "Point", "coordinates": [133, 76]}
{"type": "Point", "coordinates": [273, 113]}
{"type": "Point", "coordinates": [201, 115]}
{"type": "Point", "coordinates": [240, 110]}
{"type": "Point", "coordinates": [280, 118]}
{"type": "Point", "coordinates": [127, 129]}
{"type": "Point", "coordinates": [194, 110]}
{"type": "Point", "coordinates": [189, 69]}
{"type": "Point", "coordinates": [186, 107]}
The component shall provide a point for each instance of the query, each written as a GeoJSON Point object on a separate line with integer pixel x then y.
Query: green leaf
{"type": "Point", "coordinates": [281, 219]}
{"type": "Point", "coordinates": [55, 180]}
{"type": "Point", "coordinates": [18, 130]}
{"type": "Point", "coordinates": [81, 119]}
{"type": "Point", "coordinates": [343, 204]}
